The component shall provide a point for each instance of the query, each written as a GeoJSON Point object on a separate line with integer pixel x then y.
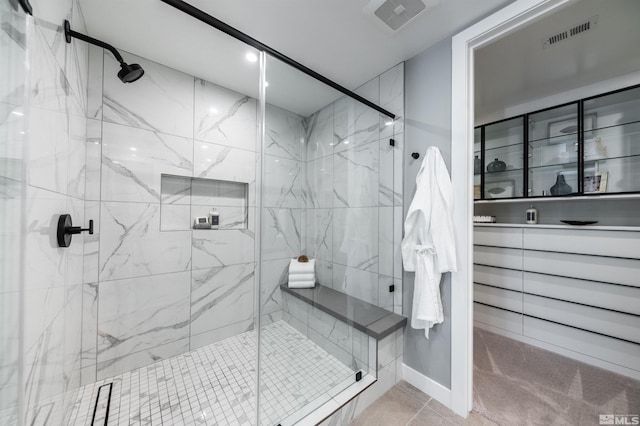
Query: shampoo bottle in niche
{"type": "Point", "coordinates": [532, 215]}
{"type": "Point", "coordinates": [214, 219]}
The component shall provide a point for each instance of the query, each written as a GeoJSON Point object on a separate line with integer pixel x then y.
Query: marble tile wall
{"type": "Point", "coordinates": [283, 216]}
{"type": "Point", "coordinates": [389, 372]}
{"type": "Point", "coordinates": [353, 192]}
{"type": "Point", "coordinates": [44, 172]}
{"type": "Point", "coordinates": [155, 288]}
{"type": "Point", "coordinates": [349, 345]}
{"type": "Point", "coordinates": [12, 185]}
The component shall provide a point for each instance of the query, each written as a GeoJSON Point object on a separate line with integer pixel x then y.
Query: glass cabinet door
{"type": "Point", "coordinates": [553, 152]}
{"type": "Point", "coordinates": [503, 159]}
{"type": "Point", "coordinates": [612, 142]}
{"type": "Point", "coordinates": [477, 163]}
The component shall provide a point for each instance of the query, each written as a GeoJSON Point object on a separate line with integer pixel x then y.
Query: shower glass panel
{"type": "Point", "coordinates": [169, 307]}
{"type": "Point", "coordinates": [12, 133]}
{"type": "Point", "coordinates": [323, 197]}
{"type": "Point", "coordinates": [178, 324]}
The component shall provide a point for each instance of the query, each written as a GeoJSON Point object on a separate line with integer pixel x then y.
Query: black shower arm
{"type": "Point", "coordinates": [68, 33]}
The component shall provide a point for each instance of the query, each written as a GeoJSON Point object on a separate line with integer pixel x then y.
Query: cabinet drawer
{"type": "Point", "coordinates": [499, 318]}
{"type": "Point", "coordinates": [498, 277]}
{"type": "Point", "coordinates": [500, 257]}
{"type": "Point", "coordinates": [605, 348]}
{"type": "Point", "coordinates": [596, 268]}
{"type": "Point", "coordinates": [608, 296]}
{"type": "Point", "coordinates": [505, 299]}
{"type": "Point", "coordinates": [498, 237]}
{"type": "Point", "coordinates": [615, 324]}
{"type": "Point", "coordinates": [601, 243]}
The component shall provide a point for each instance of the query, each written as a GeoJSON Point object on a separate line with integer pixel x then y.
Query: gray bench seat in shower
{"type": "Point", "coordinates": [373, 320]}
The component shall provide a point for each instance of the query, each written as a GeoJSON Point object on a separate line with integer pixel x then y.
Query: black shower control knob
{"type": "Point", "coordinates": [66, 230]}
{"type": "Point", "coordinates": [415, 155]}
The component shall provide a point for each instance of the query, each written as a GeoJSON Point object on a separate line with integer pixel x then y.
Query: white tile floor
{"type": "Point", "coordinates": [215, 385]}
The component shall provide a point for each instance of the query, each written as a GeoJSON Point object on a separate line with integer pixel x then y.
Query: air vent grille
{"type": "Point", "coordinates": [570, 32]}
{"type": "Point", "coordinates": [580, 29]}
{"type": "Point", "coordinates": [392, 15]}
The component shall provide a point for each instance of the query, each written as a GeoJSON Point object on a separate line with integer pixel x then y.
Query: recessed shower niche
{"type": "Point", "coordinates": [184, 199]}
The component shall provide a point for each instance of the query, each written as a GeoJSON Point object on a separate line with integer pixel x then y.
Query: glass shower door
{"type": "Point", "coordinates": [328, 193]}
{"type": "Point", "coordinates": [12, 133]}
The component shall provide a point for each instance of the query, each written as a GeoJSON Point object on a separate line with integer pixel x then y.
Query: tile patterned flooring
{"type": "Point", "coordinates": [515, 384]}
{"type": "Point", "coordinates": [404, 405]}
{"type": "Point", "coordinates": [214, 385]}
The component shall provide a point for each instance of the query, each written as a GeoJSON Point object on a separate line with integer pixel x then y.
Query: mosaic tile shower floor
{"type": "Point", "coordinates": [215, 385]}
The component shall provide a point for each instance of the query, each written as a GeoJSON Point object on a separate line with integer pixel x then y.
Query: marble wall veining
{"type": "Point", "coordinates": [154, 287]}
{"type": "Point", "coordinates": [137, 291]}
{"type": "Point", "coordinates": [353, 192]}
{"type": "Point", "coordinates": [43, 127]}
{"type": "Point", "coordinates": [12, 186]}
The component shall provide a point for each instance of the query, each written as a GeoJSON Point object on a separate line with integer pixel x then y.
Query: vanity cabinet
{"type": "Point", "coordinates": [590, 146]}
{"type": "Point", "coordinates": [572, 291]}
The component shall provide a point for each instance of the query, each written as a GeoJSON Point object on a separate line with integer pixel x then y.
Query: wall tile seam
{"type": "Point", "coordinates": [246, 320]}
{"type": "Point", "coordinates": [39, 27]}
{"type": "Point", "coordinates": [359, 269]}
{"type": "Point", "coordinates": [224, 266]}
{"type": "Point", "coordinates": [10, 104]}
{"type": "Point", "coordinates": [120, 357]}
{"type": "Point", "coordinates": [335, 152]}
{"type": "Point", "coordinates": [226, 145]}
{"type": "Point", "coordinates": [102, 282]}
{"type": "Point", "coordinates": [342, 207]}
{"type": "Point", "coordinates": [106, 120]}
{"type": "Point", "coordinates": [68, 287]}
{"type": "Point", "coordinates": [69, 197]}
{"type": "Point", "coordinates": [298, 160]}
{"type": "Point", "coordinates": [68, 112]}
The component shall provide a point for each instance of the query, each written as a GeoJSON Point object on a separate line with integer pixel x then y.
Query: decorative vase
{"type": "Point", "coordinates": [496, 166]}
{"type": "Point", "coordinates": [476, 165]}
{"type": "Point", "coordinates": [560, 187]}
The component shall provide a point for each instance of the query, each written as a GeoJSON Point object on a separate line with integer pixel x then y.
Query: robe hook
{"type": "Point", "coordinates": [415, 155]}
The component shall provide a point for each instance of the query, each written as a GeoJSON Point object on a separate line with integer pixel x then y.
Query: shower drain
{"type": "Point", "coordinates": [101, 409]}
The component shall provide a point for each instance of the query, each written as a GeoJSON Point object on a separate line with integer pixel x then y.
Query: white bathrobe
{"type": "Point", "coordinates": [428, 247]}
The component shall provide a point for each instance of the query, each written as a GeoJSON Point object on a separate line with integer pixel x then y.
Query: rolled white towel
{"type": "Point", "coordinates": [302, 277]}
{"type": "Point", "coordinates": [296, 267]}
{"type": "Point", "coordinates": [302, 284]}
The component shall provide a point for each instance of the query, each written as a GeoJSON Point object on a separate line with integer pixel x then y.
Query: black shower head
{"type": "Point", "coordinates": [130, 73]}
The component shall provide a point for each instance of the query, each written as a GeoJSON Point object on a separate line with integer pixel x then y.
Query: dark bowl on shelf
{"type": "Point", "coordinates": [496, 166]}
{"type": "Point", "coordinates": [579, 222]}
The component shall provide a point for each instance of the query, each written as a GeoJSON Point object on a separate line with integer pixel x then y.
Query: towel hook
{"type": "Point", "coordinates": [415, 155]}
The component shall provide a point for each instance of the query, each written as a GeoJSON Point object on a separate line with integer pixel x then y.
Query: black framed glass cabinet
{"type": "Point", "coordinates": [586, 147]}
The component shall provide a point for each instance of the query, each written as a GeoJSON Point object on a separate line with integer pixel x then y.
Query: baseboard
{"type": "Point", "coordinates": [427, 385]}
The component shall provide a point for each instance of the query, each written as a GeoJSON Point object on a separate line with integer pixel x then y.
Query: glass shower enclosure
{"type": "Point", "coordinates": [152, 317]}
{"type": "Point", "coordinates": [13, 65]}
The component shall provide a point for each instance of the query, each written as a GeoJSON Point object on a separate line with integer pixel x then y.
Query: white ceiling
{"type": "Point", "coordinates": [517, 69]}
{"type": "Point", "coordinates": [333, 37]}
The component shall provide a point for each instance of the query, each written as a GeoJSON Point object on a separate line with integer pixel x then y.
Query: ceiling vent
{"type": "Point", "coordinates": [574, 31]}
{"type": "Point", "coordinates": [394, 14]}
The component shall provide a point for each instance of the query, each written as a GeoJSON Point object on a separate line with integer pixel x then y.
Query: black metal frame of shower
{"type": "Point", "coordinates": [237, 34]}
